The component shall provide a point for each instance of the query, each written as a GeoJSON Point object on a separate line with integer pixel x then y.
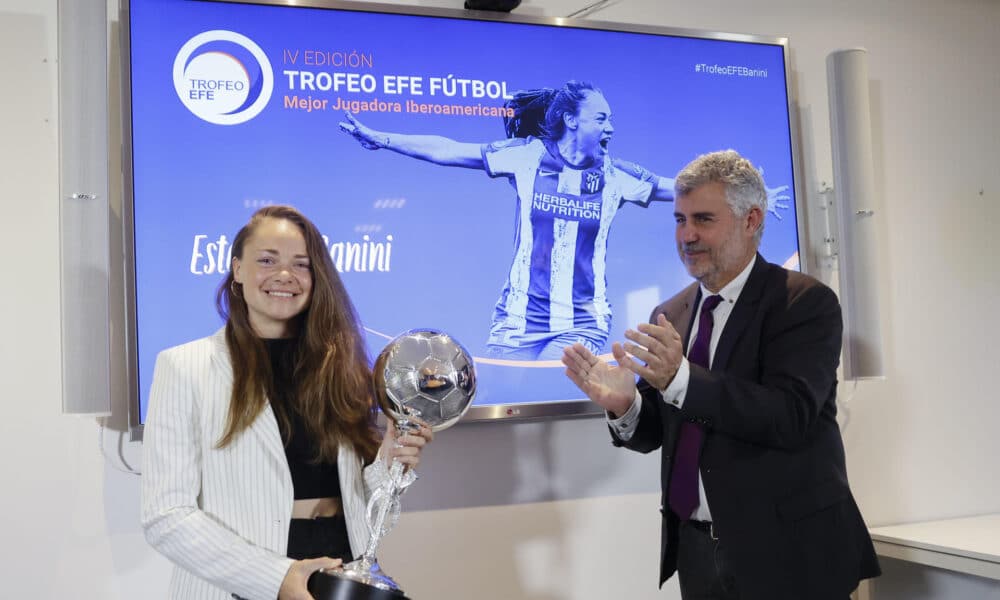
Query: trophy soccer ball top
{"type": "Point", "coordinates": [428, 374]}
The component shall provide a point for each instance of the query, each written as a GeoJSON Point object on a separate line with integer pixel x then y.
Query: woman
{"type": "Point", "coordinates": [260, 450]}
{"type": "Point", "coordinates": [568, 191]}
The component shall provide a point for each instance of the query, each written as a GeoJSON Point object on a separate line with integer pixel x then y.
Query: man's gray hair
{"type": "Point", "coordinates": [744, 185]}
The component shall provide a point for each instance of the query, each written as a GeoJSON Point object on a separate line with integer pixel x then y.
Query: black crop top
{"type": "Point", "coordinates": [309, 478]}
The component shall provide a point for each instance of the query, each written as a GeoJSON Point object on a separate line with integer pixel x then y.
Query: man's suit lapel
{"type": "Point", "coordinates": [684, 320]}
{"type": "Point", "coordinates": [742, 314]}
{"type": "Point", "coordinates": [265, 426]}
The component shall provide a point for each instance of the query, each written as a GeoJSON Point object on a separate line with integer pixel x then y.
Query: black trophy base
{"type": "Point", "coordinates": [328, 586]}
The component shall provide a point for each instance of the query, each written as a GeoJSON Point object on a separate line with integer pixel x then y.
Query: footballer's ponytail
{"type": "Point", "coordinates": [529, 107]}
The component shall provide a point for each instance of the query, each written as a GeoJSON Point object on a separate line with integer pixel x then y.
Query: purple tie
{"type": "Point", "coordinates": [684, 475]}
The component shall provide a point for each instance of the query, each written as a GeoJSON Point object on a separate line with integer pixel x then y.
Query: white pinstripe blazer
{"type": "Point", "coordinates": [222, 515]}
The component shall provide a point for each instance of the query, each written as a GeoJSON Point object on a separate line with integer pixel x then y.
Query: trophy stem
{"type": "Point", "coordinates": [383, 512]}
{"type": "Point", "coordinates": [366, 569]}
{"type": "Point", "coordinates": [377, 528]}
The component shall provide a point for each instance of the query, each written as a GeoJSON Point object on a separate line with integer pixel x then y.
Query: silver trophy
{"type": "Point", "coordinates": [422, 373]}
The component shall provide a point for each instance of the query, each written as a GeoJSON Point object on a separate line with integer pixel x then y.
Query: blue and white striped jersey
{"type": "Point", "coordinates": [557, 279]}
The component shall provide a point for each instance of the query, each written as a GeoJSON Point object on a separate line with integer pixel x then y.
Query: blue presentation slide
{"type": "Point", "coordinates": [236, 106]}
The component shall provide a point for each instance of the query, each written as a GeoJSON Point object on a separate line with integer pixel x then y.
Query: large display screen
{"type": "Point", "coordinates": [415, 139]}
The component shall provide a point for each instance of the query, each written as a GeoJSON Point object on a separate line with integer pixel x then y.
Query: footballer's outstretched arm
{"type": "Point", "coordinates": [432, 148]}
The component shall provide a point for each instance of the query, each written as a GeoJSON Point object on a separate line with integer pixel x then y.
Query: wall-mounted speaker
{"type": "Point", "coordinates": [83, 206]}
{"type": "Point", "coordinates": [858, 213]}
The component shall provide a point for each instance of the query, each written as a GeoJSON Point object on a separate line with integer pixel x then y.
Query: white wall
{"type": "Point", "coordinates": [533, 510]}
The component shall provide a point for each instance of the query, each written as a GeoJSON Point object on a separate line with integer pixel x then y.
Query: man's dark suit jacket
{"type": "Point", "coordinates": [773, 459]}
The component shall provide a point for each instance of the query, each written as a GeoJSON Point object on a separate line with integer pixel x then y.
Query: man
{"type": "Point", "coordinates": [738, 386]}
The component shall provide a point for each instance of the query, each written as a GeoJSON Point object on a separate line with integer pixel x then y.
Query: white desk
{"type": "Point", "coordinates": [969, 545]}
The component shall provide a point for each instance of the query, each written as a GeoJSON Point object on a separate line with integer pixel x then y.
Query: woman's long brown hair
{"type": "Point", "coordinates": [333, 384]}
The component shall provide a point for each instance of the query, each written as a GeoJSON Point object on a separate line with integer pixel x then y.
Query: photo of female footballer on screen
{"type": "Point", "coordinates": [568, 191]}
